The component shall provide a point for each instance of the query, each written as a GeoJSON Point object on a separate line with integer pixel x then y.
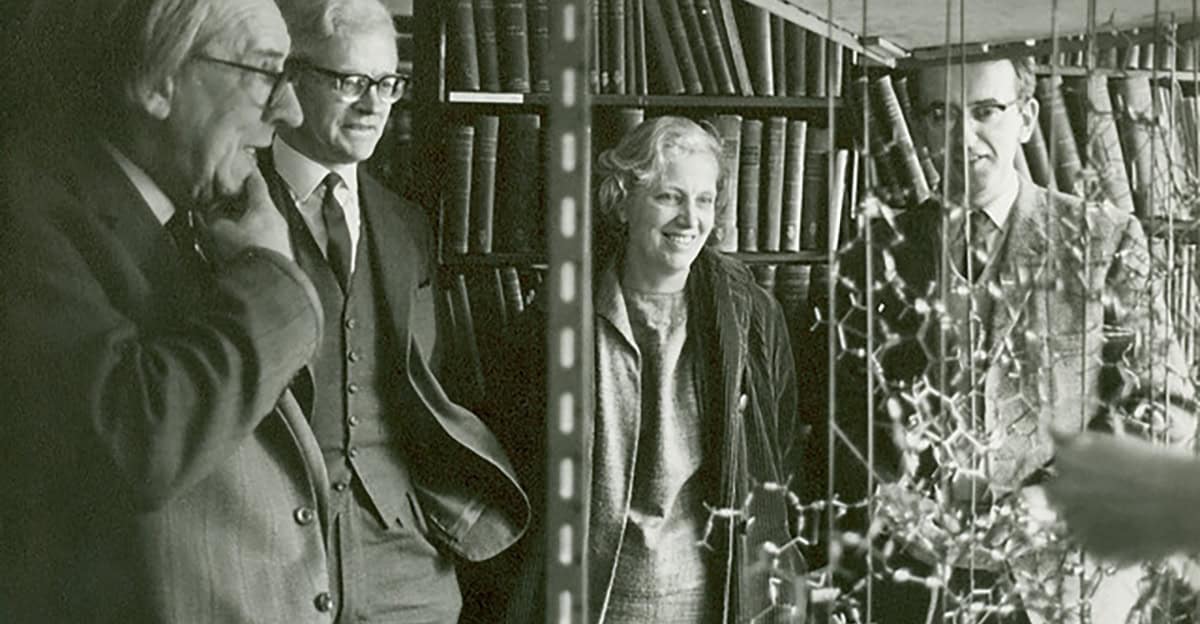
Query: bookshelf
{"type": "Point", "coordinates": [586, 109]}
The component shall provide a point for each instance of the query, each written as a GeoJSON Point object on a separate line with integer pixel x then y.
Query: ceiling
{"type": "Point", "coordinates": [905, 26]}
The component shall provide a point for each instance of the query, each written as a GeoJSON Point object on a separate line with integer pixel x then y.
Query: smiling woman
{"type": "Point", "coordinates": [695, 401]}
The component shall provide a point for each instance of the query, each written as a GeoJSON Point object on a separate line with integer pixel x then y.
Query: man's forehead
{"type": "Point", "coordinates": [983, 81]}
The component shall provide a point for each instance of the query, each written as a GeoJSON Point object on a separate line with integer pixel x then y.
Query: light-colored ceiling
{"type": "Point", "coordinates": [922, 24]}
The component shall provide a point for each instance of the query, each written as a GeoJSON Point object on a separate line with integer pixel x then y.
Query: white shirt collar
{"type": "Point", "coordinates": [303, 174]}
{"type": "Point", "coordinates": [161, 205]}
{"type": "Point", "coordinates": [998, 209]}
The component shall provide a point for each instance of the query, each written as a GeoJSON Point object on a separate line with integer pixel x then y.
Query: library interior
{"type": "Point", "coordinates": [773, 310]}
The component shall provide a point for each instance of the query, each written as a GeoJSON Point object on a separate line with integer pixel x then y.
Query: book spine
{"type": "Point", "coordinates": [716, 46]}
{"type": "Point", "coordinates": [638, 35]}
{"type": "Point", "coordinates": [695, 37]}
{"type": "Point", "coordinates": [816, 63]}
{"type": "Point", "coordinates": [464, 65]}
{"type": "Point", "coordinates": [513, 45]}
{"type": "Point", "coordinates": [486, 46]}
{"type": "Point", "coordinates": [770, 205]}
{"type": "Point", "coordinates": [457, 223]}
{"type": "Point", "coordinates": [514, 299]}
{"type": "Point", "coordinates": [729, 128]}
{"type": "Point", "coordinates": [797, 72]}
{"type": "Point", "coordinates": [748, 184]}
{"type": "Point", "coordinates": [1037, 156]}
{"type": "Point", "coordinates": [836, 56]}
{"type": "Point", "coordinates": [779, 54]}
{"type": "Point", "coordinates": [518, 183]}
{"type": "Point", "coordinates": [756, 32]}
{"type": "Point", "coordinates": [815, 190]}
{"type": "Point", "coordinates": [598, 44]}
{"type": "Point", "coordinates": [615, 42]}
{"type": "Point", "coordinates": [631, 72]}
{"type": "Point", "coordinates": [793, 185]}
{"type": "Point", "coordinates": [483, 182]}
{"type": "Point", "coordinates": [464, 330]}
{"type": "Point", "coordinates": [838, 211]}
{"type": "Point", "coordinates": [539, 45]}
{"type": "Point", "coordinates": [660, 55]}
{"type": "Point", "coordinates": [676, 29]}
{"type": "Point", "coordinates": [904, 153]}
{"type": "Point", "coordinates": [1056, 125]}
{"type": "Point", "coordinates": [731, 39]}
{"type": "Point", "coordinates": [1103, 144]}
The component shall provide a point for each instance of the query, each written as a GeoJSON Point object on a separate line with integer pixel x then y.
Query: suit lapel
{"type": "Point", "coordinates": [393, 250]}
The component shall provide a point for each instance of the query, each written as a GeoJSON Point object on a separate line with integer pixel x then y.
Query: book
{"type": "Point", "coordinates": [601, 82]}
{"type": "Point", "coordinates": [1134, 105]}
{"type": "Point", "coordinates": [512, 45]}
{"type": "Point", "coordinates": [1089, 99]}
{"type": "Point", "coordinates": [460, 142]}
{"type": "Point", "coordinates": [514, 298]}
{"type": "Point", "coordinates": [770, 204]}
{"type": "Point", "coordinates": [631, 71]}
{"type": "Point", "coordinates": [716, 46]}
{"type": "Point", "coordinates": [489, 316]}
{"type": "Point", "coordinates": [838, 211]}
{"type": "Point", "coordinates": [797, 71]}
{"type": "Point", "coordinates": [729, 128]}
{"type": "Point", "coordinates": [1060, 138]}
{"type": "Point", "coordinates": [903, 154]}
{"type": "Point", "coordinates": [933, 176]}
{"type": "Point", "coordinates": [463, 66]}
{"type": "Point", "coordinates": [754, 25]}
{"type": "Point", "coordinates": [637, 34]}
{"type": "Point", "coordinates": [779, 60]}
{"type": "Point", "coordinates": [793, 184]}
{"type": "Point", "coordinates": [748, 184]}
{"type": "Point", "coordinates": [486, 45]}
{"type": "Point", "coordinates": [538, 14]}
{"type": "Point", "coordinates": [609, 125]}
{"type": "Point", "coordinates": [816, 65]}
{"type": "Point", "coordinates": [615, 46]}
{"type": "Point", "coordinates": [731, 41]}
{"type": "Point", "coordinates": [519, 161]}
{"type": "Point", "coordinates": [695, 39]}
{"type": "Point", "coordinates": [1037, 157]}
{"type": "Point", "coordinates": [836, 57]}
{"type": "Point", "coordinates": [677, 30]}
{"type": "Point", "coordinates": [660, 52]}
{"type": "Point", "coordinates": [814, 221]}
{"type": "Point", "coordinates": [483, 182]}
{"type": "Point", "coordinates": [464, 333]}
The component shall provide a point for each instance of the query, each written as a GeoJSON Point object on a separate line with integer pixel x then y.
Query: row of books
{"type": "Point", "coordinates": [1162, 55]}
{"type": "Point", "coordinates": [778, 188]}
{"type": "Point", "coordinates": [493, 193]}
{"type": "Point", "coordinates": [642, 47]}
{"type": "Point", "coordinates": [1126, 139]}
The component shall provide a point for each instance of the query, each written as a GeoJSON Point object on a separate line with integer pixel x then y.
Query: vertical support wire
{"type": "Point", "coordinates": [569, 330]}
{"type": "Point", "coordinates": [870, 346]}
{"type": "Point", "coordinates": [938, 601]}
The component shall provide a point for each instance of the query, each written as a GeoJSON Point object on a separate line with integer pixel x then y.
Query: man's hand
{"type": "Point", "coordinates": [1125, 499]}
{"type": "Point", "coordinates": [250, 220]}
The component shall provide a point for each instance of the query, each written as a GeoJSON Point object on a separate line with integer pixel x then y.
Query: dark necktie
{"type": "Point", "coordinates": [979, 250]}
{"type": "Point", "coordinates": [338, 249]}
{"type": "Point", "coordinates": [182, 231]}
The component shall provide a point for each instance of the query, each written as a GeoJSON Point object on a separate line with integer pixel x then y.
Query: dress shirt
{"type": "Point", "coordinates": [304, 177]}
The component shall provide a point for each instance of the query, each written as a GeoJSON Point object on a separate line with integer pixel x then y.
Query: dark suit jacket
{"type": "Point", "coordinates": [467, 487]}
{"type": "Point", "coordinates": [157, 469]}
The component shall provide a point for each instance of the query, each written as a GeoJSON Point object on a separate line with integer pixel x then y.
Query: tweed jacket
{"type": "Point", "coordinates": [747, 389]}
{"type": "Point", "coordinates": [158, 470]}
{"type": "Point", "coordinates": [467, 486]}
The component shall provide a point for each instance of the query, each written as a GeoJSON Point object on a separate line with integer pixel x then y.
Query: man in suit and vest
{"type": "Point", "coordinates": [1011, 311]}
{"type": "Point", "coordinates": [418, 483]}
{"type": "Point", "coordinates": [157, 468]}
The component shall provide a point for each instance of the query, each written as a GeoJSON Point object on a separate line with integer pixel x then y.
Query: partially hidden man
{"type": "Point", "coordinates": [158, 468]}
{"type": "Point", "coordinates": [418, 484]}
{"type": "Point", "coordinates": [1050, 318]}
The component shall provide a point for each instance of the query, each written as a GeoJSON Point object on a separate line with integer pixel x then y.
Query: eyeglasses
{"type": "Point", "coordinates": [351, 87]}
{"type": "Point", "coordinates": [983, 112]}
{"type": "Point", "coordinates": [278, 78]}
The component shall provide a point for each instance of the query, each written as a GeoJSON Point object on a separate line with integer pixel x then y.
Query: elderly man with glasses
{"type": "Point", "coordinates": [1002, 312]}
{"type": "Point", "coordinates": [159, 469]}
{"type": "Point", "coordinates": [418, 483]}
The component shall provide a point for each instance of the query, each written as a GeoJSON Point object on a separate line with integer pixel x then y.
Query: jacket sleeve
{"type": "Point", "coordinates": [1156, 386]}
{"type": "Point", "coordinates": [165, 392]}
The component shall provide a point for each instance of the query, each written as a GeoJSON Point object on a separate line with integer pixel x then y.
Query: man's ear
{"type": "Point", "coordinates": [1029, 117]}
{"type": "Point", "coordinates": [153, 95]}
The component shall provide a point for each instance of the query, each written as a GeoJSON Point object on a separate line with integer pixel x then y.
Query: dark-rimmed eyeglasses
{"type": "Point", "coordinates": [277, 78]}
{"type": "Point", "coordinates": [351, 87]}
{"type": "Point", "coordinates": [981, 112]}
